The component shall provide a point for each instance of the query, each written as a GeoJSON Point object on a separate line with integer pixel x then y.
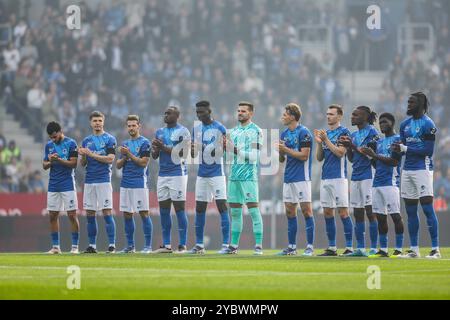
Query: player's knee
{"type": "Point", "coordinates": [201, 206]}
{"type": "Point", "coordinates": [410, 202]}
{"type": "Point", "coordinates": [426, 200]}
{"type": "Point", "coordinates": [72, 215]}
{"type": "Point", "coordinates": [144, 214]}
{"type": "Point", "coordinates": [306, 210]}
{"type": "Point", "coordinates": [178, 205]}
{"type": "Point", "coordinates": [343, 213]}
{"type": "Point", "coordinates": [396, 217]}
{"type": "Point", "coordinates": [251, 205]}
{"type": "Point", "coordinates": [128, 215]}
{"type": "Point", "coordinates": [165, 204]}
{"type": "Point", "coordinates": [359, 215]}
{"type": "Point", "coordinates": [221, 205]}
{"type": "Point", "coordinates": [53, 216]}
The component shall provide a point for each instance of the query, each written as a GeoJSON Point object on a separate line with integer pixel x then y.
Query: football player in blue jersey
{"type": "Point", "coordinates": [295, 149]}
{"type": "Point", "coordinates": [362, 176]}
{"type": "Point", "coordinates": [97, 155]}
{"type": "Point", "coordinates": [171, 146]}
{"type": "Point", "coordinates": [418, 134]}
{"type": "Point", "coordinates": [207, 143]}
{"type": "Point", "coordinates": [134, 197]}
{"type": "Point", "coordinates": [385, 191]}
{"type": "Point", "coordinates": [334, 184]}
{"type": "Point", "coordinates": [61, 158]}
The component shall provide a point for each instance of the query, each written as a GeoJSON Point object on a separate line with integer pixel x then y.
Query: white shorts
{"type": "Point", "coordinates": [334, 193]}
{"type": "Point", "coordinates": [97, 196]}
{"type": "Point", "coordinates": [386, 200]}
{"type": "Point", "coordinates": [361, 193]}
{"type": "Point", "coordinates": [134, 200]}
{"type": "Point", "coordinates": [62, 201]}
{"type": "Point", "coordinates": [173, 188]}
{"type": "Point", "coordinates": [297, 192]}
{"type": "Point", "coordinates": [416, 184]}
{"type": "Point", "coordinates": [207, 188]}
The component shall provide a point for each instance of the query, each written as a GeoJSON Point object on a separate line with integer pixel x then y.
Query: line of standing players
{"type": "Point", "coordinates": [374, 186]}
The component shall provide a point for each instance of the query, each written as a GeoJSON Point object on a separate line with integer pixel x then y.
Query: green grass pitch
{"type": "Point", "coordinates": [213, 276]}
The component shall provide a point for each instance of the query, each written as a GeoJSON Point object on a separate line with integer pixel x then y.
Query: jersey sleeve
{"type": "Point", "coordinates": [145, 149]}
{"type": "Point", "coordinates": [374, 136]}
{"type": "Point", "coordinates": [46, 153]}
{"type": "Point", "coordinates": [73, 149]}
{"type": "Point", "coordinates": [305, 139]}
{"type": "Point", "coordinates": [84, 143]}
{"type": "Point", "coordinates": [111, 145]}
{"type": "Point", "coordinates": [429, 133]}
{"type": "Point", "coordinates": [402, 133]}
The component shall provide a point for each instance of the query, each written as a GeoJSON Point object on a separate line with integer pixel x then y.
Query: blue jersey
{"type": "Point", "coordinates": [415, 134]}
{"type": "Point", "coordinates": [62, 178]}
{"type": "Point", "coordinates": [386, 175]}
{"type": "Point", "coordinates": [334, 167]}
{"type": "Point", "coordinates": [171, 137]}
{"type": "Point", "coordinates": [297, 170]}
{"type": "Point", "coordinates": [133, 175]}
{"type": "Point", "coordinates": [366, 137]}
{"type": "Point", "coordinates": [104, 144]}
{"type": "Point", "coordinates": [210, 138]}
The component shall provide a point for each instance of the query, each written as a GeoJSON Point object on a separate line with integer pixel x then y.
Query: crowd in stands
{"type": "Point", "coordinates": [141, 56]}
{"type": "Point", "coordinates": [16, 174]}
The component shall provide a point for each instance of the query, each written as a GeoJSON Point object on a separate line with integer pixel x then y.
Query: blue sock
{"type": "Point", "coordinates": [147, 226]}
{"type": "Point", "coordinates": [166, 225]}
{"type": "Point", "coordinates": [433, 224]}
{"type": "Point", "coordinates": [75, 238]}
{"type": "Point", "coordinates": [360, 230]}
{"type": "Point", "coordinates": [182, 227]}
{"type": "Point", "coordinates": [309, 227]}
{"type": "Point", "coordinates": [129, 231]}
{"type": "Point", "coordinates": [348, 231]}
{"type": "Point", "coordinates": [110, 229]}
{"type": "Point", "coordinates": [373, 229]}
{"type": "Point", "coordinates": [413, 225]}
{"type": "Point", "coordinates": [292, 231]}
{"type": "Point", "coordinates": [225, 224]}
{"type": "Point", "coordinates": [331, 231]}
{"type": "Point", "coordinates": [383, 240]}
{"type": "Point", "coordinates": [200, 219]}
{"type": "Point", "coordinates": [92, 229]}
{"type": "Point", "coordinates": [399, 241]}
{"type": "Point", "coordinates": [55, 239]}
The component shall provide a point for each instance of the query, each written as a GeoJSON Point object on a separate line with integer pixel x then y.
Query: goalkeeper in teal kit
{"type": "Point", "coordinates": [244, 144]}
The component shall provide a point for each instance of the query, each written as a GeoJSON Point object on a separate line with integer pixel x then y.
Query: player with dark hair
{"type": "Point", "coordinates": [171, 146]}
{"type": "Point", "coordinates": [295, 148]}
{"type": "Point", "coordinates": [98, 152]}
{"type": "Point", "coordinates": [361, 181]}
{"type": "Point", "coordinates": [385, 191]}
{"type": "Point", "coordinates": [418, 135]}
{"type": "Point", "coordinates": [244, 144]}
{"type": "Point", "coordinates": [207, 140]}
{"type": "Point", "coordinates": [61, 158]}
{"type": "Point", "coordinates": [134, 158]}
{"type": "Point", "coordinates": [334, 183]}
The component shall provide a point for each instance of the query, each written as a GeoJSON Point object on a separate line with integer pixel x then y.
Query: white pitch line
{"type": "Point", "coordinates": [188, 272]}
